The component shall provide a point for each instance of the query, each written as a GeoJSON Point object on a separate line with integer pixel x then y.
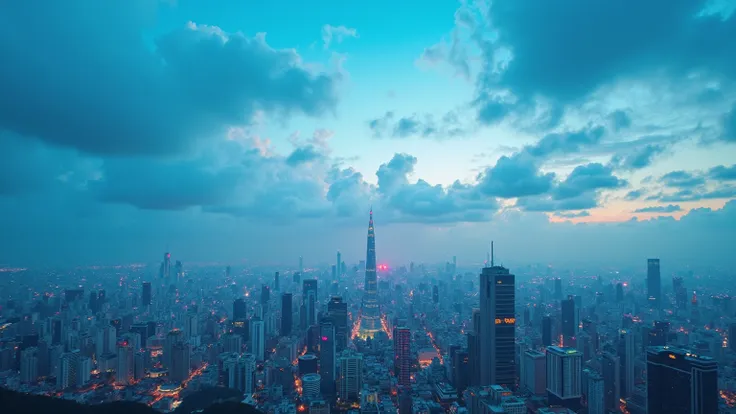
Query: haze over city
{"type": "Point", "coordinates": [405, 207]}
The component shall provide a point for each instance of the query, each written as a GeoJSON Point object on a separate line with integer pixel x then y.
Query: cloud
{"type": "Point", "coordinates": [303, 155]}
{"type": "Point", "coordinates": [515, 176]}
{"type": "Point", "coordinates": [723, 173]}
{"type": "Point", "coordinates": [425, 126]}
{"type": "Point", "coordinates": [530, 53]}
{"type": "Point", "coordinates": [113, 93]}
{"type": "Point", "coordinates": [587, 178]}
{"type": "Point", "coordinates": [681, 179]}
{"type": "Point", "coordinates": [697, 185]}
{"type": "Point", "coordinates": [671, 208]}
{"type": "Point", "coordinates": [567, 142]}
{"type": "Point", "coordinates": [634, 195]}
{"type": "Point", "coordinates": [568, 215]}
{"type": "Point", "coordinates": [337, 34]}
{"type": "Point", "coordinates": [729, 125]}
{"type": "Point", "coordinates": [637, 158]}
{"type": "Point", "coordinates": [620, 120]}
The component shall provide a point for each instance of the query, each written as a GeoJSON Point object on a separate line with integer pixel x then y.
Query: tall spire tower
{"type": "Point", "coordinates": [370, 321]}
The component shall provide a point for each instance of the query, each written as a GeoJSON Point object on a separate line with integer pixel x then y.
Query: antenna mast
{"type": "Point", "coordinates": [492, 258]}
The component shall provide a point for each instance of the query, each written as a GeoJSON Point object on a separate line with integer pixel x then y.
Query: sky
{"type": "Point", "coordinates": [257, 132]}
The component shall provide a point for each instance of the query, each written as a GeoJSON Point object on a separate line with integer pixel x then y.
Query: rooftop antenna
{"type": "Point", "coordinates": [492, 258]}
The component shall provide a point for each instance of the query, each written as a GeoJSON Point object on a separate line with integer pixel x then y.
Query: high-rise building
{"type": "Point", "coordinates": [309, 295]}
{"type": "Point", "coordinates": [180, 362]}
{"type": "Point", "coordinates": [68, 370]}
{"type": "Point", "coordinates": [350, 380]}
{"type": "Point", "coordinates": [276, 282]}
{"type": "Point", "coordinates": [265, 296]}
{"type": "Point", "coordinates": [564, 376]}
{"type": "Point", "coordinates": [146, 295]}
{"type": "Point", "coordinates": [533, 378]}
{"type": "Point", "coordinates": [239, 309]}
{"type": "Point", "coordinates": [286, 314]}
{"type": "Point", "coordinates": [29, 365]}
{"type": "Point", "coordinates": [611, 370]}
{"type": "Point", "coordinates": [337, 311]}
{"type": "Point", "coordinates": [659, 333]}
{"type": "Point", "coordinates": [619, 292]}
{"type": "Point", "coordinates": [124, 374]}
{"type": "Point", "coordinates": [237, 371]}
{"type": "Point", "coordinates": [172, 338]}
{"type": "Point", "coordinates": [627, 355]}
{"type": "Point", "coordinates": [595, 393]}
{"type": "Point", "coordinates": [569, 320]}
{"type": "Point", "coordinates": [327, 358]}
{"type": "Point", "coordinates": [680, 382]}
{"type": "Point", "coordinates": [402, 356]}
{"type": "Point", "coordinates": [258, 339]}
{"type": "Point", "coordinates": [654, 282]}
{"type": "Point", "coordinates": [497, 326]}
{"type": "Point", "coordinates": [370, 314]}
{"type": "Point", "coordinates": [165, 271]}
{"type": "Point", "coordinates": [547, 330]}
{"type": "Point", "coordinates": [338, 265]}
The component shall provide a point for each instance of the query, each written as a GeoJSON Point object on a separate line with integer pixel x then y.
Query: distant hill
{"type": "Point", "coordinates": [12, 402]}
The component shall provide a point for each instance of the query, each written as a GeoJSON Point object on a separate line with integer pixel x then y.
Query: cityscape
{"type": "Point", "coordinates": [376, 207]}
{"type": "Point", "coordinates": [371, 337]}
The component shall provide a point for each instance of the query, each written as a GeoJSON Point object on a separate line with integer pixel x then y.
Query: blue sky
{"type": "Point", "coordinates": [224, 129]}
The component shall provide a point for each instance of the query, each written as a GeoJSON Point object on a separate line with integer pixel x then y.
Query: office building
{"type": "Point", "coordinates": [497, 326]}
{"type": "Point", "coordinates": [654, 283]}
{"type": "Point", "coordinates": [402, 356]}
{"type": "Point", "coordinates": [350, 380]}
{"type": "Point", "coordinates": [564, 376]}
{"type": "Point", "coordinates": [327, 358]}
{"type": "Point", "coordinates": [680, 382]}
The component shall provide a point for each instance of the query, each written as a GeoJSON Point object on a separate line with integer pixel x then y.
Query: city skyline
{"type": "Point", "coordinates": [222, 130]}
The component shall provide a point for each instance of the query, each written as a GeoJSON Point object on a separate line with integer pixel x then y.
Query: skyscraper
{"type": "Point", "coordinates": [276, 282]}
{"type": "Point", "coordinates": [350, 380]}
{"type": "Point", "coordinates": [309, 294]}
{"type": "Point", "coordinates": [679, 382]}
{"type": "Point", "coordinates": [338, 264]}
{"type": "Point", "coordinates": [402, 356]}
{"type": "Point", "coordinates": [286, 314]}
{"type": "Point", "coordinates": [497, 326]}
{"type": "Point", "coordinates": [569, 322]}
{"type": "Point", "coordinates": [239, 309]}
{"type": "Point", "coordinates": [654, 283]}
{"type": "Point", "coordinates": [146, 295]}
{"type": "Point", "coordinates": [564, 376]}
{"type": "Point", "coordinates": [370, 318]}
{"type": "Point", "coordinates": [327, 358]}
{"type": "Point", "coordinates": [337, 311]}
{"type": "Point", "coordinates": [165, 270]}
{"type": "Point", "coordinates": [258, 339]}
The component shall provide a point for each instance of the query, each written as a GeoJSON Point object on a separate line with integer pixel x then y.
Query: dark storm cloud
{"type": "Point", "coordinates": [564, 51]}
{"type": "Point", "coordinates": [80, 74]}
